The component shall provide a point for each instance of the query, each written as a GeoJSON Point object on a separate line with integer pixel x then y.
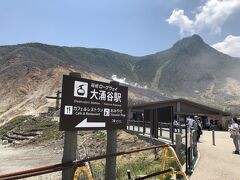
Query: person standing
{"type": "Point", "coordinates": [234, 131]}
{"type": "Point", "coordinates": [190, 122]}
{"type": "Point", "coordinates": [198, 127]}
{"type": "Point", "coordinates": [175, 125]}
{"type": "Point", "coordinates": [238, 134]}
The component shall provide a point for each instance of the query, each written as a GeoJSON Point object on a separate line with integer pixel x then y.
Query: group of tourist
{"type": "Point", "coordinates": [195, 122]}
{"type": "Point", "coordinates": [192, 123]}
{"type": "Point", "coordinates": [234, 130]}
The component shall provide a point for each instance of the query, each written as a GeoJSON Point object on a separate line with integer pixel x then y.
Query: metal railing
{"type": "Point", "coordinates": [144, 128]}
{"type": "Point", "coordinates": [80, 163]}
{"type": "Point", "coordinates": [166, 131]}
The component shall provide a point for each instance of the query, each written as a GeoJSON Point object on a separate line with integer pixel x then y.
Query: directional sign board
{"type": "Point", "coordinates": [89, 105]}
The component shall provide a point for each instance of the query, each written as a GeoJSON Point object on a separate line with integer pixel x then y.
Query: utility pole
{"type": "Point", "coordinates": [58, 98]}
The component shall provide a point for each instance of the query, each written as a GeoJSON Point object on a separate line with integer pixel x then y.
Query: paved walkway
{"type": "Point", "coordinates": [217, 162]}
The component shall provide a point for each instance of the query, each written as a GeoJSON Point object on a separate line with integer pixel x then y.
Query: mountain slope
{"type": "Point", "coordinates": [101, 61]}
{"type": "Point", "coordinates": [194, 70]}
{"type": "Point", "coordinates": [190, 69]}
{"type": "Point", "coordinates": [199, 64]}
{"type": "Point", "coordinates": [189, 59]}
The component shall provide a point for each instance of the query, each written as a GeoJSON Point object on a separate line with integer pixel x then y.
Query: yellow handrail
{"type": "Point", "coordinates": [80, 170]}
{"type": "Point", "coordinates": [165, 157]}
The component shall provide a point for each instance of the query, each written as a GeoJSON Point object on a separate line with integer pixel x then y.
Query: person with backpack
{"type": "Point", "coordinates": [234, 131]}
{"type": "Point", "coordinates": [199, 129]}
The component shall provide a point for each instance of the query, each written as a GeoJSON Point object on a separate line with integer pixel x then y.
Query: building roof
{"type": "Point", "coordinates": [181, 100]}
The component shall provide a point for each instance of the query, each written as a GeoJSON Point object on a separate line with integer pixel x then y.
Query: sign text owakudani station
{"type": "Point", "coordinates": [88, 105]}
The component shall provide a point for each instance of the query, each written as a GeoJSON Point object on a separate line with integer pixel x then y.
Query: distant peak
{"type": "Point", "coordinates": [191, 42]}
{"type": "Point", "coordinates": [196, 37]}
{"type": "Point", "coordinates": [191, 39]}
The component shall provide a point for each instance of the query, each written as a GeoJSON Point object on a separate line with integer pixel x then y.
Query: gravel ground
{"type": "Point", "coordinates": [24, 158]}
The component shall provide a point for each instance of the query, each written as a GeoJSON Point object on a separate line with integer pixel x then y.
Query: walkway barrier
{"type": "Point", "coordinates": [164, 160]}
{"type": "Point", "coordinates": [166, 157]}
{"type": "Point", "coordinates": [143, 127]}
{"type": "Point", "coordinates": [84, 169]}
{"type": "Point", "coordinates": [165, 131]}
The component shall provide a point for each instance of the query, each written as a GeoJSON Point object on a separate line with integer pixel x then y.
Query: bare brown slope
{"type": "Point", "coordinates": [26, 93]}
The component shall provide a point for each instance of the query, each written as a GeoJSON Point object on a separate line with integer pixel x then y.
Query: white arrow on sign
{"type": "Point", "coordinates": [85, 124]}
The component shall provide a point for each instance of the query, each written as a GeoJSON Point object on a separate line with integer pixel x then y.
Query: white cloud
{"type": "Point", "coordinates": [230, 45]}
{"type": "Point", "coordinates": [182, 21]}
{"type": "Point", "coordinates": [211, 16]}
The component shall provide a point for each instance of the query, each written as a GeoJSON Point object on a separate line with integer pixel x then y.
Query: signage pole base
{"type": "Point", "coordinates": [69, 153]}
{"type": "Point", "coordinates": [110, 171]}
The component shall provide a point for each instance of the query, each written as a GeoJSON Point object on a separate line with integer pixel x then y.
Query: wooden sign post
{"type": "Point", "coordinates": [91, 105]}
{"type": "Point", "coordinates": [110, 168]}
{"type": "Point", "coordinates": [70, 147]}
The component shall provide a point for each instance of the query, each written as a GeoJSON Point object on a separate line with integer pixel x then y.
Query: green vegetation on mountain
{"type": "Point", "coordinates": [15, 122]}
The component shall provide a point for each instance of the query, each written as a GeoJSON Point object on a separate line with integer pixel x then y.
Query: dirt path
{"type": "Point", "coordinates": [18, 159]}
{"type": "Point", "coordinates": [217, 162]}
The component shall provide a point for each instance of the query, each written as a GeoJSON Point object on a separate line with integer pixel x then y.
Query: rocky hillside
{"type": "Point", "coordinates": [190, 69]}
{"type": "Point", "coordinates": [24, 92]}
{"type": "Point", "coordinates": [193, 69]}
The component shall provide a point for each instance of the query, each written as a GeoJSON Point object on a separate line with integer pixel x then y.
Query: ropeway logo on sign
{"type": "Point", "coordinates": [80, 89]}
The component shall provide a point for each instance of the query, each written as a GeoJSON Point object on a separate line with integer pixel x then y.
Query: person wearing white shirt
{"type": "Point", "coordinates": [190, 122]}
{"type": "Point", "coordinates": [234, 131]}
{"type": "Point", "coordinates": [175, 125]}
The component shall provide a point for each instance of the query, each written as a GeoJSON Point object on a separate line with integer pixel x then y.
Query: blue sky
{"type": "Point", "coordinates": [136, 27]}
